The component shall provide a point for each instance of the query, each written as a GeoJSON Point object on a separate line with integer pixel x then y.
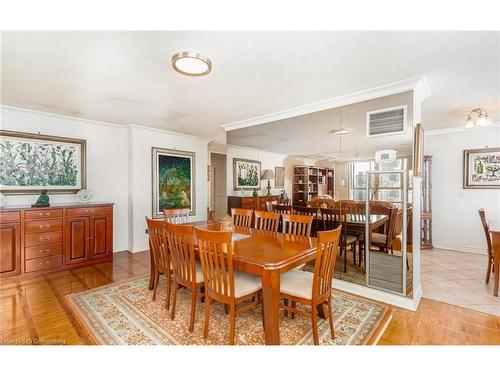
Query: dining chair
{"type": "Point", "coordinates": [176, 215]}
{"type": "Point", "coordinates": [161, 257]}
{"type": "Point", "coordinates": [186, 270]}
{"type": "Point", "coordinates": [242, 217]}
{"type": "Point", "coordinates": [310, 211]}
{"type": "Point", "coordinates": [384, 239]}
{"type": "Point", "coordinates": [269, 205]}
{"type": "Point", "coordinates": [313, 289]}
{"type": "Point", "coordinates": [298, 225]}
{"type": "Point", "coordinates": [282, 208]}
{"type": "Point", "coordinates": [397, 241]}
{"type": "Point", "coordinates": [333, 218]}
{"type": "Point", "coordinates": [267, 221]}
{"type": "Point", "coordinates": [486, 229]}
{"type": "Point", "coordinates": [222, 283]}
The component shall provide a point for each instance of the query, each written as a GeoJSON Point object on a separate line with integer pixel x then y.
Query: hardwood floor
{"type": "Point", "coordinates": [33, 310]}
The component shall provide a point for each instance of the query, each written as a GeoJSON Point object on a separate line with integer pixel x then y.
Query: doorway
{"type": "Point", "coordinates": [218, 192]}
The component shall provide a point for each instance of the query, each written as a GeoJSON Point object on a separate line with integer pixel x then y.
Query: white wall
{"type": "Point", "coordinates": [455, 221]}
{"type": "Point", "coordinates": [107, 166]}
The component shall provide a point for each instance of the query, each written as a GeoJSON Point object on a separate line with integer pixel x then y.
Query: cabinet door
{"type": "Point", "coordinates": [77, 240]}
{"type": "Point", "coordinates": [100, 237]}
{"type": "Point", "coordinates": [10, 249]}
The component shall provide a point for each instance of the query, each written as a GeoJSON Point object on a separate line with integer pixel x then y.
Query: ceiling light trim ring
{"type": "Point", "coordinates": [192, 55]}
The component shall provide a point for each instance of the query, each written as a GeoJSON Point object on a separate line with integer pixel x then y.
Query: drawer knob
{"type": "Point", "coordinates": [45, 264]}
{"type": "Point", "coordinates": [44, 251]}
{"type": "Point", "coordinates": [44, 238]}
{"type": "Point", "coordinates": [45, 226]}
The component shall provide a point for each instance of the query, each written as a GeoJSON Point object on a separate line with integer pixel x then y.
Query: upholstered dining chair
{"type": "Point", "coordinates": [298, 225]}
{"type": "Point", "coordinates": [222, 283]}
{"type": "Point", "coordinates": [268, 221]}
{"type": "Point", "coordinates": [161, 257]}
{"type": "Point", "coordinates": [242, 217]}
{"type": "Point", "coordinates": [313, 289]}
{"type": "Point", "coordinates": [176, 215]}
{"type": "Point", "coordinates": [486, 229]}
{"type": "Point", "coordinates": [186, 270]}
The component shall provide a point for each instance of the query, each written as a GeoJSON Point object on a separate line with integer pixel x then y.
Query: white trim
{"type": "Point", "coordinates": [405, 119]}
{"type": "Point", "coordinates": [257, 150]}
{"type": "Point", "coordinates": [459, 129]}
{"type": "Point", "coordinates": [460, 248]}
{"type": "Point", "coordinates": [163, 131]}
{"type": "Point", "coordinates": [422, 90]}
{"type": "Point", "coordinates": [378, 295]}
{"type": "Point", "coordinates": [415, 83]}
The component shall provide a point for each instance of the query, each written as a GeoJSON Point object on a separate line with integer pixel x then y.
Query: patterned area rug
{"type": "Point", "coordinates": [124, 314]}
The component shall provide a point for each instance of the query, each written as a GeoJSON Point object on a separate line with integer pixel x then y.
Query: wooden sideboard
{"type": "Point", "coordinates": [250, 203]}
{"type": "Point", "coordinates": [40, 240]}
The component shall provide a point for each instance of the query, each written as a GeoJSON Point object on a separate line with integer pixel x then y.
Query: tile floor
{"type": "Point", "coordinates": [458, 278]}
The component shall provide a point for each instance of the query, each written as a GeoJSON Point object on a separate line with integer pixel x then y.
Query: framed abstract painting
{"type": "Point", "coordinates": [30, 163]}
{"type": "Point", "coordinates": [246, 174]}
{"type": "Point", "coordinates": [482, 168]}
{"type": "Point", "coordinates": [173, 174]}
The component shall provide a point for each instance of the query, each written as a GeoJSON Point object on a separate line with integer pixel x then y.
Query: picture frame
{"type": "Point", "coordinates": [246, 174]}
{"type": "Point", "coordinates": [34, 162]}
{"type": "Point", "coordinates": [481, 168]}
{"type": "Point", "coordinates": [173, 180]}
{"type": "Point", "coordinates": [279, 177]}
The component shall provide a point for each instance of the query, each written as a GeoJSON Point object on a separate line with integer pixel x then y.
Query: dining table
{"type": "Point", "coordinates": [494, 229]}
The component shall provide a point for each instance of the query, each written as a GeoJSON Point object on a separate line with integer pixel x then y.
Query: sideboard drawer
{"type": "Point", "coordinates": [43, 214]}
{"type": "Point", "coordinates": [42, 226]}
{"type": "Point", "coordinates": [10, 216]}
{"type": "Point", "coordinates": [249, 203]}
{"type": "Point", "coordinates": [90, 211]}
{"type": "Point", "coordinates": [34, 252]}
{"type": "Point", "coordinates": [43, 238]}
{"type": "Point", "coordinates": [43, 263]}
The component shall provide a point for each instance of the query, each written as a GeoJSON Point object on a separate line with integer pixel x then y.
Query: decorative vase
{"type": "Point", "coordinates": [84, 196]}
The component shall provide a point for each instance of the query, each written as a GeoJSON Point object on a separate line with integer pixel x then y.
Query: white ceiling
{"type": "Point", "coordinates": [126, 77]}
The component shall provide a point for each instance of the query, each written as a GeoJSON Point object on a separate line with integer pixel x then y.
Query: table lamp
{"type": "Point", "coordinates": [268, 174]}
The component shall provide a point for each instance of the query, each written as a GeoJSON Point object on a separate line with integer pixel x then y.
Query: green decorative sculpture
{"type": "Point", "coordinates": [42, 201]}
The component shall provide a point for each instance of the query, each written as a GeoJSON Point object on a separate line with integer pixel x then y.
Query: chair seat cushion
{"type": "Point", "coordinates": [297, 283]}
{"type": "Point", "coordinates": [245, 284]}
{"type": "Point", "coordinates": [378, 238]}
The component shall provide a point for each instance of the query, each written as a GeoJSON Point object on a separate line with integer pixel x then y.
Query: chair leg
{"type": "Point", "coordinates": [226, 308]}
{"type": "Point", "coordinates": [168, 287]}
{"type": "Point", "coordinates": [174, 301]}
{"type": "Point", "coordinates": [314, 320]}
{"type": "Point", "coordinates": [488, 271]}
{"type": "Point", "coordinates": [294, 304]}
{"type": "Point", "coordinates": [262, 313]}
{"type": "Point", "coordinates": [193, 309]}
{"type": "Point", "coordinates": [285, 302]}
{"type": "Point", "coordinates": [330, 318]}
{"type": "Point", "coordinates": [345, 258]}
{"type": "Point", "coordinates": [207, 316]}
{"type": "Point", "coordinates": [155, 285]}
{"type": "Point", "coordinates": [496, 269]}
{"type": "Point", "coordinates": [353, 248]}
{"type": "Point", "coordinates": [232, 322]}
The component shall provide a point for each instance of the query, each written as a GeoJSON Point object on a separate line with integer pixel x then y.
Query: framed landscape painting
{"type": "Point", "coordinates": [30, 163]}
{"type": "Point", "coordinates": [279, 177]}
{"type": "Point", "coordinates": [482, 168]}
{"type": "Point", "coordinates": [246, 174]}
{"type": "Point", "coordinates": [173, 180]}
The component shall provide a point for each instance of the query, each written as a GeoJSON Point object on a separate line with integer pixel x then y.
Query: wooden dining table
{"type": "Point", "coordinates": [494, 228]}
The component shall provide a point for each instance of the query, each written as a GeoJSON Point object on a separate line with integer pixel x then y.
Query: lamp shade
{"type": "Point", "coordinates": [268, 174]}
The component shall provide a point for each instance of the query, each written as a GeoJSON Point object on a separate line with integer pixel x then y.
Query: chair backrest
{"type": "Point", "coordinates": [242, 217]}
{"type": "Point", "coordinates": [176, 215]}
{"type": "Point", "coordinates": [326, 255]}
{"type": "Point", "coordinates": [269, 205]}
{"type": "Point", "coordinates": [216, 255]}
{"type": "Point", "coordinates": [311, 211]}
{"type": "Point", "coordinates": [159, 244]}
{"type": "Point", "coordinates": [298, 225]}
{"type": "Point", "coordinates": [486, 229]}
{"type": "Point", "coordinates": [332, 218]}
{"type": "Point", "coordinates": [343, 204]}
{"type": "Point", "coordinates": [181, 250]}
{"type": "Point", "coordinates": [268, 221]}
{"type": "Point", "coordinates": [282, 208]}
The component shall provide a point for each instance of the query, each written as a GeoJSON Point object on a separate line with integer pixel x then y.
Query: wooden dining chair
{"type": "Point", "coordinates": [310, 211]}
{"type": "Point", "coordinates": [298, 225]}
{"type": "Point", "coordinates": [186, 270]}
{"type": "Point", "coordinates": [242, 217]}
{"type": "Point", "coordinates": [176, 215]}
{"type": "Point", "coordinates": [486, 229]}
{"type": "Point", "coordinates": [267, 221]}
{"type": "Point", "coordinates": [161, 257]}
{"type": "Point", "coordinates": [222, 283]}
{"type": "Point", "coordinates": [313, 289]}
{"type": "Point", "coordinates": [333, 218]}
{"type": "Point", "coordinates": [282, 208]}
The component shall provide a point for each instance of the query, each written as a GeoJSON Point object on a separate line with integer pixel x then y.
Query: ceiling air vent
{"type": "Point", "coordinates": [386, 121]}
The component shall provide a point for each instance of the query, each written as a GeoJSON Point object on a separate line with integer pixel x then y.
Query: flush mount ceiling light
{"type": "Point", "coordinates": [191, 64]}
{"type": "Point", "coordinates": [478, 117]}
{"type": "Point", "coordinates": [341, 131]}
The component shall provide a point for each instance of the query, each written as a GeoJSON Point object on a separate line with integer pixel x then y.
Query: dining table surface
{"type": "Point", "coordinates": [268, 255]}
{"type": "Point", "coordinates": [494, 229]}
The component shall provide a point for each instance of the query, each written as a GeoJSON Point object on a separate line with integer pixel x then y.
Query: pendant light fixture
{"type": "Point", "coordinates": [478, 118]}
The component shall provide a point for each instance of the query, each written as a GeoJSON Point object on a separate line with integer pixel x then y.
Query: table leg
{"type": "Point", "coordinates": [271, 300]}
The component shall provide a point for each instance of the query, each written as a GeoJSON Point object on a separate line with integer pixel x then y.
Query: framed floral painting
{"type": "Point", "coordinates": [482, 168]}
{"type": "Point", "coordinates": [173, 180]}
{"type": "Point", "coordinates": [246, 174]}
{"type": "Point", "coordinates": [30, 163]}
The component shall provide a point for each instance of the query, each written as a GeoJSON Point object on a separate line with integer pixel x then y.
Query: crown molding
{"type": "Point", "coordinates": [417, 84]}
{"type": "Point", "coordinates": [459, 129]}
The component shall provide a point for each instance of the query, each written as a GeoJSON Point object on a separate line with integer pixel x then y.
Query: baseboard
{"type": "Point", "coordinates": [464, 249]}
